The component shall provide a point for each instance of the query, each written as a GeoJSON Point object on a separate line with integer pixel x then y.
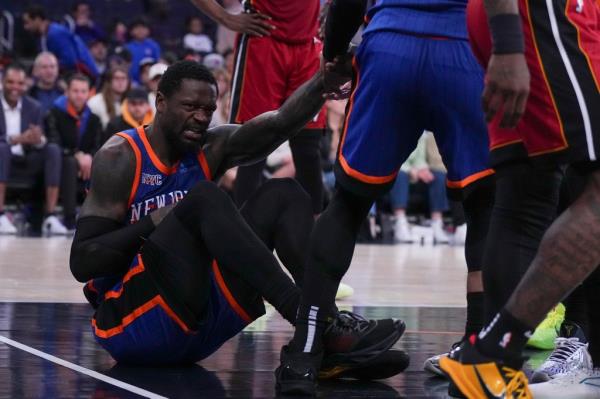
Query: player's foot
{"type": "Point", "coordinates": [6, 226]}
{"type": "Point", "coordinates": [477, 376]}
{"type": "Point", "coordinates": [344, 291]}
{"type": "Point", "coordinates": [385, 365]}
{"type": "Point", "coordinates": [352, 338]}
{"type": "Point", "coordinates": [544, 335]}
{"type": "Point", "coordinates": [579, 384]}
{"type": "Point", "coordinates": [52, 226]}
{"type": "Point", "coordinates": [439, 235]}
{"type": "Point", "coordinates": [570, 355]}
{"type": "Point", "coordinates": [432, 364]}
{"type": "Point", "coordinates": [349, 342]}
{"type": "Point", "coordinates": [297, 373]}
{"type": "Point", "coordinates": [402, 231]}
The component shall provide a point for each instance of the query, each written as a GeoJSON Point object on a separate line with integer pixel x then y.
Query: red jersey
{"type": "Point", "coordinates": [296, 21]}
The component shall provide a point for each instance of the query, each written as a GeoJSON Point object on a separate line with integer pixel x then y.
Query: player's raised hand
{"type": "Point", "coordinates": [336, 77]}
{"type": "Point", "coordinates": [506, 88]}
{"type": "Point", "coordinates": [255, 24]}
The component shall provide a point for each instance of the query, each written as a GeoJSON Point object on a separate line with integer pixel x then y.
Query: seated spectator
{"type": "Point", "coordinates": [141, 46]}
{"type": "Point", "coordinates": [85, 27]}
{"type": "Point", "coordinates": [118, 33]}
{"type": "Point", "coordinates": [69, 49]}
{"type": "Point", "coordinates": [136, 111]}
{"type": "Point", "coordinates": [46, 88]}
{"type": "Point", "coordinates": [145, 65]}
{"type": "Point", "coordinates": [195, 38]}
{"type": "Point", "coordinates": [99, 51]}
{"type": "Point", "coordinates": [213, 61]}
{"type": "Point", "coordinates": [424, 164]}
{"type": "Point", "coordinates": [107, 104]}
{"type": "Point", "coordinates": [23, 148]}
{"type": "Point", "coordinates": [78, 131]}
{"type": "Point", "coordinates": [154, 74]}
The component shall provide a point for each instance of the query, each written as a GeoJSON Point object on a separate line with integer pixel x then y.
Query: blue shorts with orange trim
{"type": "Point", "coordinates": [137, 326]}
{"type": "Point", "coordinates": [402, 86]}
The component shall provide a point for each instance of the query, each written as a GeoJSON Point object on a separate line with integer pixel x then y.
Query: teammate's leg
{"type": "Point", "coordinates": [525, 205]}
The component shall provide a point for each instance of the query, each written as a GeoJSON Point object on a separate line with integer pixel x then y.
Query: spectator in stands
{"type": "Point", "coordinates": [120, 58]}
{"type": "Point", "coordinates": [154, 74]}
{"type": "Point", "coordinates": [118, 35]}
{"type": "Point", "coordinates": [141, 46]}
{"type": "Point", "coordinates": [99, 51]}
{"type": "Point", "coordinates": [145, 65]}
{"type": "Point", "coordinates": [85, 27]}
{"type": "Point", "coordinates": [424, 164]}
{"type": "Point", "coordinates": [69, 49]}
{"type": "Point", "coordinates": [107, 104]}
{"type": "Point", "coordinates": [195, 38]}
{"type": "Point", "coordinates": [220, 116]}
{"type": "Point", "coordinates": [213, 61]}
{"type": "Point", "coordinates": [136, 111]}
{"type": "Point", "coordinates": [23, 148]}
{"type": "Point", "coordinates": [78, 131]}
{"type": "Point", "coordinates": [46, 88]}
{"type": "Point", "coordinates": [226, 36]}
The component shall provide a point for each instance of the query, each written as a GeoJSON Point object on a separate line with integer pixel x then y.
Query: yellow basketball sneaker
{"type": "Point", "coordinates": [478, 377]}
{"type": "Point", "coordinates": [546, 333]}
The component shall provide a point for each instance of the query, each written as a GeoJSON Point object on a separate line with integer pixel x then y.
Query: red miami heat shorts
{"type": "Point", "coordinates": [562, 119]}
{"type": "Point", "coordinates": [267, 71]}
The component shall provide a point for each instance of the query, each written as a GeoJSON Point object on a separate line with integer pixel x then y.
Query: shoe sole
{"type": "Point", "coordinates": [298, 388]}
{"type": "Point", "coordinates": [375, 369]}
{"type": "Point", "coordinates": [431, 368]}
{"type": "Point", "coordinates": [337, 363]}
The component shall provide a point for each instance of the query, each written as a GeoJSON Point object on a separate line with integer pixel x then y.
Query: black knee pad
{"type": "Point", "coordinates": [205, 196]}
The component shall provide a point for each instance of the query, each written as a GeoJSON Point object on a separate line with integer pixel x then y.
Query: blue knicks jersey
{"type": "Point", "coordinates": [438, 18]}
{"type": "Point", "coordinates": [154, 186]}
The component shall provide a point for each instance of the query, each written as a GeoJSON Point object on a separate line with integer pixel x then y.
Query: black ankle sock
{"type": "Point", "coordinates": [505, 337]}
{"type": "Point", "coordinates": [314, 318]}
{"type": "Point", "coordinates": [475, 314]}
{"type": "Point", "coordinates": [2, 213]}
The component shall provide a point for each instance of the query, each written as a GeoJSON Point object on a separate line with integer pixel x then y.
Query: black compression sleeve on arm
{"type": "Point", "coordinates": [104, 247]}
{"type": "Point", "coordinates": [343, 20]}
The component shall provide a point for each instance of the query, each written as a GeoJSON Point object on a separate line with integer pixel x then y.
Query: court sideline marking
{"type": "Point", "coordinates": [80, 369]}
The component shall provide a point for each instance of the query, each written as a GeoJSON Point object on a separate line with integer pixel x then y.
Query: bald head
{"type": "Point", "coordinates": [45, 69]}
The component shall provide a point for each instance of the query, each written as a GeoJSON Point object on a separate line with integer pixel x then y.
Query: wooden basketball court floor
{"type": "Point", "coordinates": [47, 349]}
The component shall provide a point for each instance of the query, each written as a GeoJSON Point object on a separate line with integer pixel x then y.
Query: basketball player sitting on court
{"type": "Point", "coordinates": [172, 267]}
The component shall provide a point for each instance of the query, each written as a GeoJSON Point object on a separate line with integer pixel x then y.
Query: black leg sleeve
{"type": "Point", "coordinates": [210, 216]}
{"type": "Point", "coordinates": [525, 205]}
{"type": "Point", "coordinates": [331, 248]}
{"type": "Point", "coordinates": [280, 213]}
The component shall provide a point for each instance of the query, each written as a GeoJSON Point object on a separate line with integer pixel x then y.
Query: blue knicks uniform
{"type": "Point", "coordinates": [414, 71]}
{"type": "Point", "coordinates": [134, 322]}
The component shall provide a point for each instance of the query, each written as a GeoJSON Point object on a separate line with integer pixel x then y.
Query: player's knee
{"type": "Point", "coordinates": [206, 196]}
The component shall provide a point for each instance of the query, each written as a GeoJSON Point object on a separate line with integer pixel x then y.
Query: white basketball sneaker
{"type": "Point", "coordinates": [53, 227]}
{"type": "Point", "coordinates": [578, 384]}
{"type": "Point", "coordinates": [6, 226]}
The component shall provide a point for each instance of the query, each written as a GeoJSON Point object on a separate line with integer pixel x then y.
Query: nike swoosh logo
{"type": "Point", "coordinates": [488, 393]}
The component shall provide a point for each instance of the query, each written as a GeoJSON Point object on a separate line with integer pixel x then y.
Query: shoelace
{"type": "Point", "coordinates": [517, 386]}
{"type": "Point", "coordinates": [565, 347]}
{"type": "Point", "coordinates": [349, 321]}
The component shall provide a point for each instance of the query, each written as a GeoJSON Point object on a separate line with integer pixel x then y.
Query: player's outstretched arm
{"type": "Point", "coordinates": [261, 135]}
{"type": "Point", "coordinates": [507, 79]}
{"type": "Point", "coordinates": [103, 245]}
